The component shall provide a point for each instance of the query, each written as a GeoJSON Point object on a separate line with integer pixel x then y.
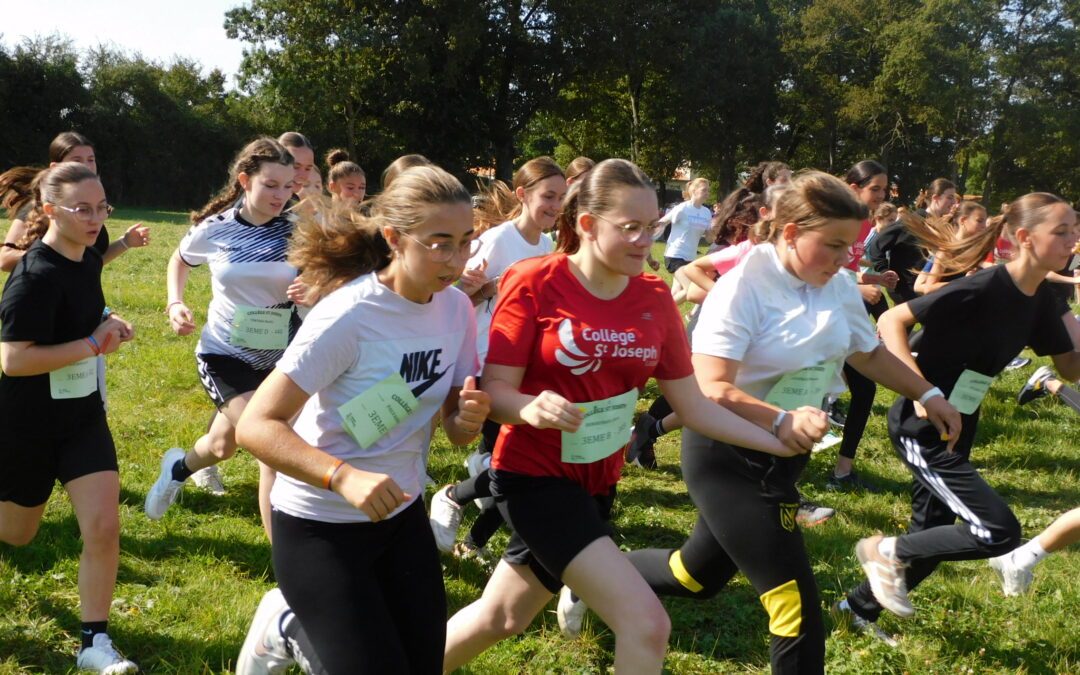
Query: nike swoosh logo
{"type": "Point", "coordinates": [426, 384]}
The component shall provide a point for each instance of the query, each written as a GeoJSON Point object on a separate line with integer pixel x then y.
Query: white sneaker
{"type": "Point", "coordinates": [1015, 580]}
{"type": "Point", "coordinates": [164, 491]}
{"type": "Point", "coordinates": [264, 648]}
{"type": "Point", "coordinates": [886, 577]}
{"type": "Point", "coordinates": [103, 658]}
{"type": "Point", "coordinates": [445, 520]}
{"type": "Point", "coordinates": [209, 479]}
{"type": "Point", "coordinates": [570, 612]}
{"type": "Point", "coordinates": [477, 463]}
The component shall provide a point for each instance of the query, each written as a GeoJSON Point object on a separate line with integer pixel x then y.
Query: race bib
{"type": "Point", "coordinates": [260, 328]}
{"type": "Point", "coordinates": [969, 390]}
{"type": "Point", "coordinates": [371, 415]}
{"type": "Point", "coordinates": [75, 381]}
{"type": "Point", "coordinates": [606, 428]}
{"type": "Point", "coordinates": [802, 387]}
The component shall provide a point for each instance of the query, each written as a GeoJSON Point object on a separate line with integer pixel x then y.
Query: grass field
{"type": "Point", "coordinates": [189, 583]}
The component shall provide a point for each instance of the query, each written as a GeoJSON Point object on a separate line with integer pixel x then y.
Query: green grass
{"type": "Point", "coordinates": [189, 584]}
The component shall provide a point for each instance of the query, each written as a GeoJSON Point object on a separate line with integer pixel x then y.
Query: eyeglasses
{"type": "Point", "coordinates": [633, 231]}
{"type": "Point", "coordinates": [86, 213]}
{"type": "Point", "coordinates": [444, 251]}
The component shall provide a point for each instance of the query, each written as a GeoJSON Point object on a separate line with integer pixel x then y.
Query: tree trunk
{"type": "Point", "coordinates": [505, 151]}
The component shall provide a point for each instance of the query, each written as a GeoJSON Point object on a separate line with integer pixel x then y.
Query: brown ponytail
{"type": "Point", "coordinates": [347, 243]}
{"type": "Point", "coordinates": [248, 161]}
{"type": "Point", "coordinates": [595, 192]}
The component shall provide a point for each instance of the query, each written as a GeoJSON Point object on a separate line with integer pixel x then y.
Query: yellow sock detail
{"type": "Point", "coordinates": [681, 575]}
{"type": "Point", "coordinates": [785, 609]}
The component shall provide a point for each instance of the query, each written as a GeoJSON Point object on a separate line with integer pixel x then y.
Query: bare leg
{"type": "Point", "coordinates": [604, 578]}
{"type": "Point", "coordinates": [19, 524]}
{"type": "Point", "coordinates": [219, 443]}
{"type": "Point", "coordinates": [1062, 532]}
{"type": "Point", "coordinates": [512, 598]}
{"type": "Point", "coordinates": [267, 476]}
{"type": "Point", "coordinates": [95, 498]}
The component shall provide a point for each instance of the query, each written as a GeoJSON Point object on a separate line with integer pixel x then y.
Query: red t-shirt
{"type": "Point", "coordinates": [583, 348]}
{"type": "Point", "coordinates": [859, 247]}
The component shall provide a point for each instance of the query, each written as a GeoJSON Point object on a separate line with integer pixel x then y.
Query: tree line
{"type": "Point", "coordinates": [984, 92]}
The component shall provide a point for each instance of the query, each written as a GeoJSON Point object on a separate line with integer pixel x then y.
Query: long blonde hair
{"type": "Point", "coordinates": [813, 199]}
{"type": "Point", "coordinates": [346, 243]}
{"type": "Point", "coordinates": [955, 255]}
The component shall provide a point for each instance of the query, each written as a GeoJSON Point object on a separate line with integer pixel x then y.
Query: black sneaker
{"type": "Point", "coordinates": [837, 416]}
{"type": "Point", "coordinates": [1035, 387]}
{"type": "Point", "coordinates": [850, 483]}
{"type": "Point", "coordinates": [1017, 363]}
{"type": "Point", "coordinates": [640, 450]}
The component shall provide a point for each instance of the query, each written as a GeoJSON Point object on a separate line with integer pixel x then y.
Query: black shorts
{"type": "Point", "coordinates": [672, 264]}
{"type": "Point", "coordinates": [224, 377]}
{"type": "Point", "coordinates": [34, 462]}
{"type": "Point", "coordinates": [551, 521]}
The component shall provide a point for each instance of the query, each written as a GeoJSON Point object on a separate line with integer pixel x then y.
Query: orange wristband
{"type": "Point", "coordinates": [331, 470]}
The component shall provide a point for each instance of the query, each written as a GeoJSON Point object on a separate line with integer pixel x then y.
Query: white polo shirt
{"type": "Point", "coordinates": [774, 323]}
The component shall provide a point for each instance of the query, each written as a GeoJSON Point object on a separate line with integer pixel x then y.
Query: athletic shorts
{"type": "Point", "coordinates": [551, 521]}
{"type": "Point", "coordinates": [224, 377]}
{"type": "Point", "coordinates": [672, 264]}
{"type": "Point", "coordinates": [33, 463]}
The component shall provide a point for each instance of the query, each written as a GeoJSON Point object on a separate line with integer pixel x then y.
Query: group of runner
{"type": "Point", "coordinates": [343, 330]}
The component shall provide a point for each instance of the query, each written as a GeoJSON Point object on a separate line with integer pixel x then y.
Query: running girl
{"type": "Point", "coordinates": [303, 154]}
{"type": "Point", "coordinates": [772, 335]}
{"type": "Point", "coordinates": [347, 182]}
{"type": "Point", "coordinates": [389, 341]}
{"type": "Point", "coordinates": [965, 344]}
{"type": "Point", "coordinates": [55, 326]}
{"type": "Point", "coordinates": [243, 236]}
{"type": "Point", "coordinates": [17, 196]}
{"type": "Point", "coordinates": [524, 215]}
{"type": "Point", "coordinates": [574, 333]}
{"type": "Point", "coordinates": [689, 221]}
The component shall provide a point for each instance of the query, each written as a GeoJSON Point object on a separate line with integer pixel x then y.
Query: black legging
{"type": "Point", "coordinates": [746, 522]}
{"type": "Point", "coordinates": [369, 597]}
{"type": "Point", "coordinates": [863, 391]}
{"type": "Point", "coordinates": [1069, 397]}
{"type": "Point", "coordinates": [945, 487]}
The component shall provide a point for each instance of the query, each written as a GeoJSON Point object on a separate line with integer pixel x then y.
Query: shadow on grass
{"type": "Point", "coordinates": [241, 500]}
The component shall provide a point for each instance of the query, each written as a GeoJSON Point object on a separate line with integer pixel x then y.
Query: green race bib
{"type": "Point", "coordinates": [969, 390]}
{"type": "Point", "coordinates": [371, 415]}
{"type": "Point", "coordinates": [75, 381]}
{"type": "Point", "coordinates": [606, 429]}
{"type": "Point", "coordinates": [802, 387]}
{"type": "Point", "coordinates": [260, 328]}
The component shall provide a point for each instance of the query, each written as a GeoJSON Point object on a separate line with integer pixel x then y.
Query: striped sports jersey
{"type": "Point", "coordinates": [247, 270]}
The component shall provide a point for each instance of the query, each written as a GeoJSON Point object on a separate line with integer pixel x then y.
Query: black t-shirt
{"type": "Point", "coordinates": [102, 243]}
{"type": "Point", "coordinates": [981, 322]}
{"type": "Point", "coordinates": [49, 300]}
{"type": "Point", "coordinates": [1063, 293]}
{"type": "Point", "coordinates": [896, 248]}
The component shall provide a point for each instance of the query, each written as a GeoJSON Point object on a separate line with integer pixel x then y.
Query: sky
{"type": "Point", "coordinates": [157, 29]}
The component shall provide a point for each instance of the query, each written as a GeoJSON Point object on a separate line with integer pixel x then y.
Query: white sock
{"type": "Point", "coordinates": [844, 606]}
{"type": "Point", "coordinates": [887, 547]}
{"type": "Point", "coordinates": [1029, 555]}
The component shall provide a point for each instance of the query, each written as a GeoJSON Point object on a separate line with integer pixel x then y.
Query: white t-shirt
{"type": "Point", "coordinates": [688, 224]}
{"type": "Point", "coordinates": [247, 267]}
{"type": "Point", "coordinates": [353, 338]}
{"type": "Point", "coordinates": [773, 323]}
{"type": "Point", "coordinates": [501, 246]}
